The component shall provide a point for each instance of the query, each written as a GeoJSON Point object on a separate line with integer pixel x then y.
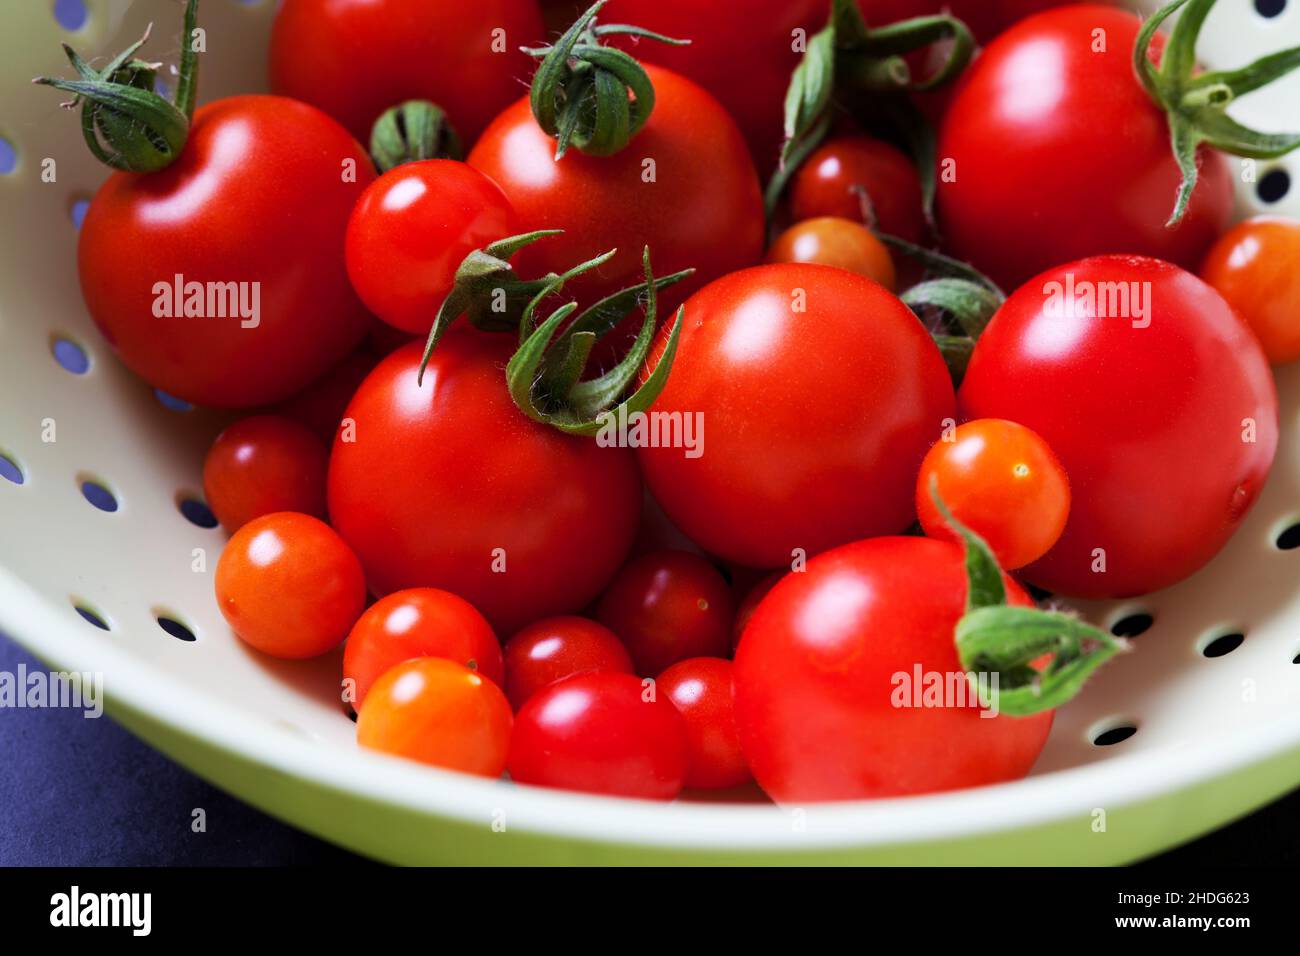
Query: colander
{"type": "Point", "coordinates": [103, 570]}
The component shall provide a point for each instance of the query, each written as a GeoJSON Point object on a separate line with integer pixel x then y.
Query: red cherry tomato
{"type": "Point", "coordinates": [248, 221]}
{"type": "Point", "coordinates": [701, 688]}
{"type": "Point", "coordinates": [437, 712]}
{"type": "Point", "coordinates": [819, 393]}
{"type": "Point", "coordinates": [835, 242]}
{"type": "Point", "coordinates": [419, 622]}
{"type": "Point", "coordinates": [410, 231]}
{"type": "Point", "coordinates": [289, 586]}
{"type": "Point", "coordinates": [1035, 186]}
{"type": "Point", "coordinates": [826, 697]}
{"type": "Point", "coordinates": [321, 404]}
{"type": "Point", "coordinates": [550, 650]}
{"type": "Point", "coordinates": [601, 733]}
{"type": "Point", "coordinates": [449, 485]}
{"type": "Point", "coordinates": [667, 606]}
{"type": "Point", "coordinates": [261, 465]}
{"type": "Point", "coordinates": [1256, 267]}
{"type": "Point", "coordinates": [827, 184]}
{"type": "Point", "coordinates": [356, 58]}
{"type": "Point", "coordinates": [1163, 414]}
{"type": "Point", "coordinates": [1002, 481]}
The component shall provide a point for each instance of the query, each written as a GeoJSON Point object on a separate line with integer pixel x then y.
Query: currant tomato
{"type": "Point", "coordinates": [1156, 399]}
{"type": "Point", "coordinates": [449, 485]}
{"type": "Point", "coordinates": [1256, 267]}
{"type": "Point", "coordinates": [701, 688]}
{"type": "Point", "coordinates": [830, 183]}
{"type": "Point", "coordinates": [289, 586]}
{"type": "Point", "coordinates": [827, 676]}
{"type": "Point", "coordinates": [558, 647]}
{"type": "Point", "coordinates": [419, 622]}
{"type": "Point", "coordinates": [356, 58]}
{"type": "Point", "coordinates": [261, 465]}
{"type": "Point", "coordinates": [667, 606]}
{"type": "Point", "coordinates": [835, 242]}
{"type": "Point", "coordinates": [247, 222]}
{"type": "Point", "coordinates": [410, 231]}
{"type": "Point", "coordinates": [819, 393]}
{"type": "Point", "coordinates": [440, 713]}
{"type": "Point", "coordinates": [1002, 481]}
{"type": "Point", "coordinates": [601, 733]}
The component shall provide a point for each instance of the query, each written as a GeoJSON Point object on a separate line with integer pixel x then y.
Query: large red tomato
{"type": "Point", "coordinates": [356, 58]}
{"type": "Point", "coordinates": [1162, 412]}
{"type": "Point", "coordinates": [220, 279]}
{"type": "Point", "coordinates": [449, 485]}
{"type": "Point", "coordinates": [1036, 183]}
{"type": "Point", "coordinates": [831, 673]}
{"type": "Point", "coordinates": [818, 393]}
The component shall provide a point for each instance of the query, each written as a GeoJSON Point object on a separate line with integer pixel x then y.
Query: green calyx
{"type": "Point", "coordinates": [993, 637]}
{"type": "Point", "coordinates": [1196, 104]}
{"type": "Point", "coordinates": [410, 132]}
{"type": "Point", "coordinates": [126, 124]}
{"type": "Point", "coordinates": [589, 96]}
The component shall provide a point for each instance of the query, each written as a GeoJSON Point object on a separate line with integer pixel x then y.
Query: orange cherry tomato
{"type": "Point", "coordinates": [438, 712]}
{"type": "Point", "coordinates": [1256, 266]}
{"type": "Point", "coordinates": [1002, 481]}
{"type": "Point", "coordinates": [262, 465]}
{"type": "Point", "coordinates": [288, 585]}
{"type": "Point", "coordinates": [830, 241]}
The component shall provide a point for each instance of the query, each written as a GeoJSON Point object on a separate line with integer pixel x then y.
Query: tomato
{"type": "Point", "coordinates": [410, 231]}
{"type": "Point", "coordinates": [1035, 186]}
{"type": "Point", "coordinates": [1256, 267]}
{"type": "Point", "coordinates": [289, 586]}
{"type": "Point", "coordinates": [449, 485]}
{"type": "Point", "coordinates": [835, 242]}
{"type": "Point", "coordinates": [667, 606]}
{"type": "Point", "coordinates": [701, 689]}
{"type": "Point", "coordinates": [261, 465]}
{"type": "Point", "coordinates": [248, 223]}
{"type": "Point", "coordinates": [321, 404]}
{"type": "Point", "coordinates": [819, 393]}
{"type": "Point", "coordinates": [684, 185]}
{"type": "Point", "coordinates": [438, 712]}
{"type": "Point", "coordinates": [1162, 412]}
{"type": "Point", "coordinates": [419, 622]}
{"type": "Point", "coordinates": [1003, 482]}
{"type": "Point", "coordinates": [558, 647]}
{"type": "Point", "coordinates": [356, 58]}
{"type": "Point", "coordinates": [830, 181]}
{"type": "Point", "coordinates": [601, 733]}
{"type": "Point", "coordinates": [830, 675]}
{"type": "Point", "coordinates": [749, 604]}
{"type": "Point", "coordinates": [986, 18]}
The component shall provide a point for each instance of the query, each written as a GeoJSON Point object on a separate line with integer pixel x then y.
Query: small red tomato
{"type": "Point", "coordinates": [745, 609]}
{"type": "Point", "coordinates": [1256, 267]}
{"type": "Point", "coordinates": [289, 586]}
{"type": "Point", "coordinates": [667, 606]}
{"type": "Point", "coordinates": [410, 231]}
{"type": "Point", "coordinates": [559, 647]}
{"type": "Point", "coordinates": [419, 622]}
{"type": "Point", "coordinates": [701, 688]}
{"type": "Point", "coordinates": [321, 404]}
{"type": "Point", "coordinates": [1002, 481]}
{"type": "Point", "coordinates": [830, 241]}
{"type": "Point", "coordinates": [601, 733]}
{"type": "Point", "coordinates": [437, 712]}
{"type": "Point", "coordinates": [828, 184]}
{"type": "Point", "coordinates": [262, 465]}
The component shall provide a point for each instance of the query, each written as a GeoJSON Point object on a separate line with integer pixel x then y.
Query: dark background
{"type": "Point", "coordinates": [78, 792]}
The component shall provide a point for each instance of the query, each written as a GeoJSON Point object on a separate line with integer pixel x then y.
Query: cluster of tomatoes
{"type": "Point", "coordinates": [882, 433]}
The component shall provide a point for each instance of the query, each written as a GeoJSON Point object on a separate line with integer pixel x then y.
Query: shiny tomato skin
{"type": "Point", "coordinates": [1034, 185]}
{"type": "Point", "coordinates": [289, 586]}
{"type": "Point", "coordinates": [1256, 266]}
{"type": "Point", "coordinates": [1167, 430]}
{"type": "Point", "coordinates": [702, 690]}
{"type": "Point", "coordinates": [261, 465]}
{"type": "Point", "coordinates": [449, 485]}
{"type": "Point", "coordinates": [815, 421]}
{"type": "Point", "coordinates": [356, 58]}
{"type": "Point", "coordinates": [552, 649]}
{"type": "Point", "coordinates": [667, 606]}
{"type": "Point", "coordinates": [419, 622]}
{"type": "Point", "coordinates": [601, 733]}
{"type": "Point", "coordinates": [255, 197]}
{"type": "Point", "coordinates": [438, 712]}
{"type": "Point", "coordinates": [826, 652]}
{"type": "Point", "coordinates": [410, 231]}
{"type": "Point", "coordinates": [826, 182]}
{"type": "Point", "coordinates": [843, 243]}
